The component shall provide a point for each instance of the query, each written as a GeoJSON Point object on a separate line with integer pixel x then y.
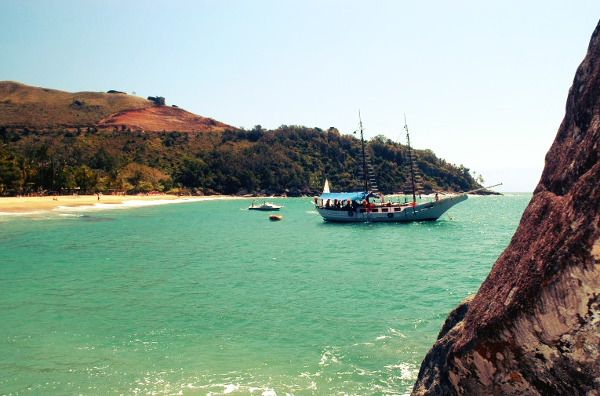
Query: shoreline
{"type": "Point", "coordinates": [29, 205]}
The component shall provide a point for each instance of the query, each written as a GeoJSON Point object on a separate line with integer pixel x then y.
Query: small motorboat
{"type": "Point", "coordinates": [275, 217]}
{"type": "Point", "coordinates": [264, 206]}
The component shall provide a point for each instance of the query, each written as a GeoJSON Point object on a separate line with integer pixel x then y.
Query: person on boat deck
{"type": "Point", "coordinates": [327, 204]}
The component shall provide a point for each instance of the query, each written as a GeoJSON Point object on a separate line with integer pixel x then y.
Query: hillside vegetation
{"type": "Point", "coordinates": [290, 160]}
{"type": "Point", "coordinates": [55, 142]}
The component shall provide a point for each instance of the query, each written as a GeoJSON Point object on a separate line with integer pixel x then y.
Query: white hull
{"type": "Point", "coordinates": [394, 213]}
{"type": "Point", "coordinates": [265, 206]}
{"type": "Point", "coordinates": [355, 207]}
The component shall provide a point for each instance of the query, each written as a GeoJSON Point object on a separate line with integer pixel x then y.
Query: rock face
{"type": "Point", "coordinates": [534, 326]}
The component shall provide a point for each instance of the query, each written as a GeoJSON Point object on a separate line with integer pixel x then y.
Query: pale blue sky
{"type": "Point", "coordinates": [482, 83]}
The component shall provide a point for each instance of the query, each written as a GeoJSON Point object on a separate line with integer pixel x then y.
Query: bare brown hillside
{"type": "Point", "coordinates": [162, 118]}
{"type": "Point", "coordinates": [23, 106]}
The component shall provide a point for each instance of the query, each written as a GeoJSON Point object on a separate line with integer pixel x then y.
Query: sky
{"type": "Point", "coordinates": [482, 83]}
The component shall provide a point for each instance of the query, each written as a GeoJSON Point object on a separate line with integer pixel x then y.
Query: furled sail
{"type": "Point", "coordinates": [370, 176]}
{"type": "Point", "coordinates": [414, 181]}
{"type": "Point", "coordinates": [413, 178]}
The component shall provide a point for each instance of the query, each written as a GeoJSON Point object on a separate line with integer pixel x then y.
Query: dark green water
{"type": "Point", "coordinates": [208, 298]}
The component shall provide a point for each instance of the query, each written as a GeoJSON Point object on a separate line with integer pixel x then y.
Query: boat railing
{"type": "Point", "coordinates": [354, 207]}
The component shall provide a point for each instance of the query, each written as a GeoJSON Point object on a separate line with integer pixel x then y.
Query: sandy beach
{"type": "Point", "coordinates": [16, 205]}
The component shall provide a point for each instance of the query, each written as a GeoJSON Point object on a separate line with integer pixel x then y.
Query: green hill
{"type": "Point", "coordinates": [58, 142]}
{"type": "Point", "coordinates": [290, 160]}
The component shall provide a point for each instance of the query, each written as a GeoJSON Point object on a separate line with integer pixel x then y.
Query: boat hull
{"type": "Point", "coordinates": [265, 209]}
{"type": "Point", "coordinates": [395, 213]}
{"type": "Point", "coordinates": [265, 206]}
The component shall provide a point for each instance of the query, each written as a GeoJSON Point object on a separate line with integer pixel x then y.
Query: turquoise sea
{"type": "Point", "coordinates": [208, 298]}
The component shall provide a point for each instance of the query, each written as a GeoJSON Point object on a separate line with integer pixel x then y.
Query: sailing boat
{"type": "Point", "coordinates": [369, 206]}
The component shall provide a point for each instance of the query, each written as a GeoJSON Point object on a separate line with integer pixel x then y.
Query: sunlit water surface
{"type": "Point", "coordinates": [208, 298]}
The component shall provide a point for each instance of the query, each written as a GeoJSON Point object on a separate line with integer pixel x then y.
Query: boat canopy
{"type": "Point", "coordinates": [353, 196]}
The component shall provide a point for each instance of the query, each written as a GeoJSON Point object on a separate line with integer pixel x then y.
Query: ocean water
{"type": "Point", "coordinates": [208, 298]}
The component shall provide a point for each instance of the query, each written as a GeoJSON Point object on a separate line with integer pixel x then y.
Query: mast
{"type": "Point", "coordinates": [362, 143]}
{"type": "Point", "coordinates": [412, 171]}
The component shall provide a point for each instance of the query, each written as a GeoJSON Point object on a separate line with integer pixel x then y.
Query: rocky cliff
{"type": "Point", "coordinates": [534, 326]}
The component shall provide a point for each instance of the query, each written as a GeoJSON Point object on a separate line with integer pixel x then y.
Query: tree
{"type": "Point", "coordinates": [142, 178]}
{"type": "Point", "coordinates": [65, 178]}
{"type": "Point", "coordinates": [86, 179]}
{"type": "Point", "coordinates": [381, 138]}
{"type": "Point", "coordinates": [255, 134]}
{"type": "Point", "coordinates": [192, 172]}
